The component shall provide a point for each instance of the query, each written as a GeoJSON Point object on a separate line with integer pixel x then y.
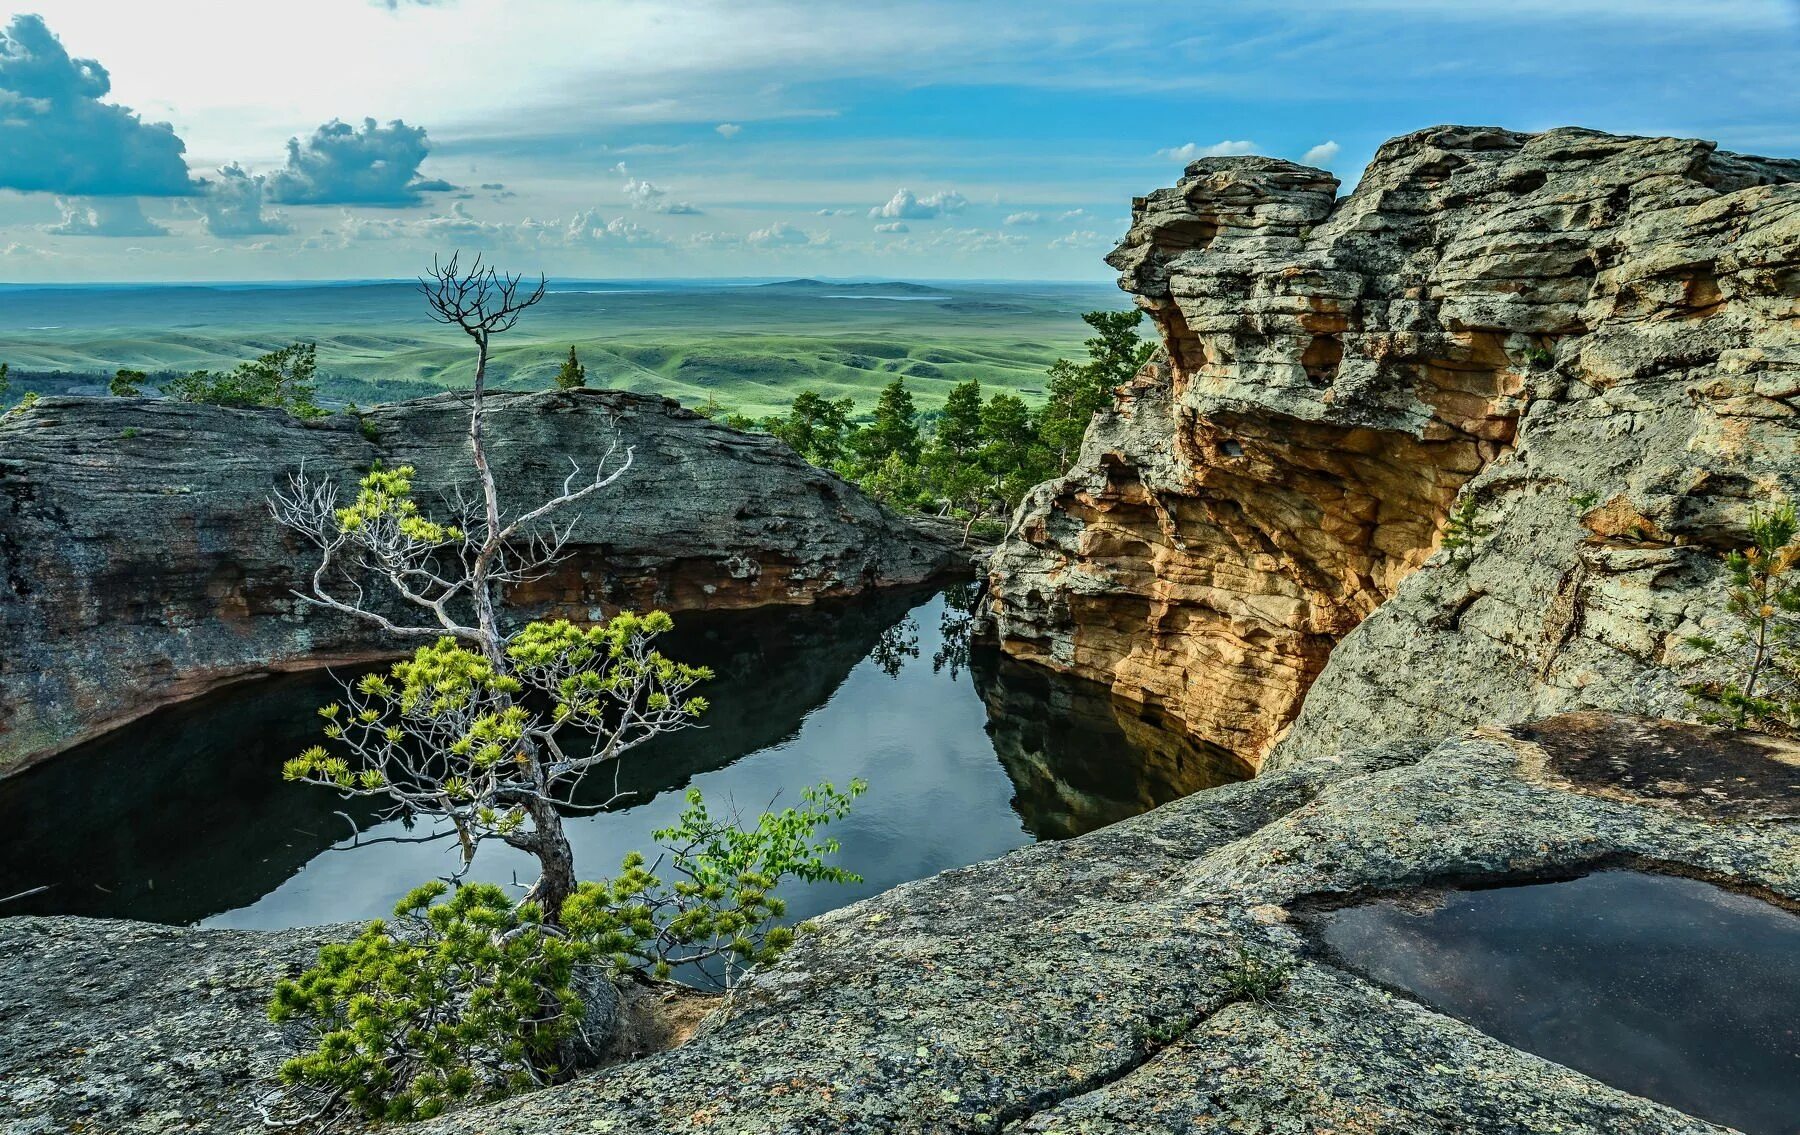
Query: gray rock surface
{"type": "Point", "coordinates": [1079, 986]}
{"type": "Point", "coordinates": [1589, 338]}
{"type": "Point", "coordinates": [139, 564]}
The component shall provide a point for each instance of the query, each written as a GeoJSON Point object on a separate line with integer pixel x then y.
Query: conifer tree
{"type": "Point", "coordinates": [573, 375]}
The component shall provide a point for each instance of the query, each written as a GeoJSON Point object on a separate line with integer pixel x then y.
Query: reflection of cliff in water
{"type": "Point", "coordinates": [184, 814]}
{"type": "Point", "coordinates": [1081, 759]}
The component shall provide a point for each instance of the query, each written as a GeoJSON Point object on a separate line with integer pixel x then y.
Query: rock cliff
{"type": "Point", "coordinates": [139, 564]}
{"type": "Point", "coordinates": [1585, 344]}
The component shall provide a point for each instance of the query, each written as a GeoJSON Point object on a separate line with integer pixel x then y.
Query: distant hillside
{"type": "Point", "coordinates": [750, 347]}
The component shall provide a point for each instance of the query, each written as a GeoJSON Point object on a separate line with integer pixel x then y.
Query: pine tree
{"type": "Point", "coordinates": [572, 376]}
{"type": "Point", "coordinates": [894, 430]}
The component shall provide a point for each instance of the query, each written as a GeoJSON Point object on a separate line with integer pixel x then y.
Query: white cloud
{"type": "Point", "coordinates": [893, 227]}
{"type": "Point", "coordinates": [104, 216]}
{"type": "Point", "coordinates": [1194, 150]}
{"type": "Point", "coordinates": [783, 235]}
{"type": "Point", "coordinates": [642, 193]}
{"type": "Point", "coordinates": [233, 207]}
{"type": "Point", "coordinates": [728, 129]}
{"type": "Point", "coordinates": [343, 165]}
{"type": "Point", "coordinates": [833, 212]}
{"type": "Point", "coordinates": [905, 205]}
{"type": "Point", "coordinates": [590, 229]}
{"type": "Point", "coordinates": [1024, 219]}
{"type": "Point", "coordinates": [1081, 238]}
{"type": "Point", "coordinates": [1072, 215]}
{"type": "Point", "coordinates": [1321, 155]}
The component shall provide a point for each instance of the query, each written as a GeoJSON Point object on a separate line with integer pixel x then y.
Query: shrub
{"type": "Point", "coordinates": [127, 383]}
{"type": "Point", "coordinates": [474, 997]}
{"type": "Point", "coordinates": [464, 999]}
{"type": "Point", "coordinates": [1256, 979]}
{"type": "Point", "coordinates": [716, 911]}
{"type": "Point", "coordinates": [282, 379]}
{"type": "Point", "coordinates": [1762, 647]}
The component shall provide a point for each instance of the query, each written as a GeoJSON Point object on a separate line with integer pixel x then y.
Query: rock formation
{"type": "Point", "coordinates": [1585, 343]}
{"type": "Point", "coordinates": [139, 564]}
{"type": "Point", "coordinates": [1071, 987]}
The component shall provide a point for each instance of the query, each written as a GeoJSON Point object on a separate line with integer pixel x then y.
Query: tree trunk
{"type": "Point", "coordinates": [556, 861]}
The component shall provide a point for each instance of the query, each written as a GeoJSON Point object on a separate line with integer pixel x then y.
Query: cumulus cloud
{"type": "Point", "coordinates": [56, 136]}
{"type": "Point", "coordinates": [1081, 238]}
{"type": "Point", "coordinates": [833, 212]}
{"type": "Point", "coordinates": [648, 195]}
{"type": "Point", "coordinates": [782, 235]}
{"type": "Point", "coordinates": [591, 229]}
{"type": "Point", "coordinates": [893, 227]}
{"type": "Point", "coordinates": [904, 205]}
{"type": "Point", "coordinates": [343, 165]}
{"type": "Point", "coordinates": [1321, 155]}
{"type": "Point", "coordinates": [729, 129]}
{"type": "Point", "coordinates": [233, 206]}
{"type": "Point", "coordinates": [1017, 219]}
{"type": "Point", "coordinates": [104, 216]}
{"type": "Point", "coordinates": [1194, 150]}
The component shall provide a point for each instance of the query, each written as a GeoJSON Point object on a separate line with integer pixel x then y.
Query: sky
{"type": "Point", "coordinates": [1000, 139]}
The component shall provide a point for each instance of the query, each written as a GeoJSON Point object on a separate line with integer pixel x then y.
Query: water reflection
{"type": "Point", "coordinates": [1668, 988]}
{"type": "Point", "coordinates": [183, 817]}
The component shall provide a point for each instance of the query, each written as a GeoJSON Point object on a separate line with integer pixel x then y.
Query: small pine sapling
{"type": "Point", "coordinates": [1762, 646]}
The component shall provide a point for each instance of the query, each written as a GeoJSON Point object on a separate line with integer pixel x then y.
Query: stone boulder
{"type": "Point", "coordinates": [139, 564]}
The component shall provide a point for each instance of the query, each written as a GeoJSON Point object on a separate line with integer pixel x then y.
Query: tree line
{"type": "Point", "coordinates": [974, 459]}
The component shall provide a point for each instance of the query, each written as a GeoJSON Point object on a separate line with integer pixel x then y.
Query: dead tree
{"type": "Point", "coordinates": [461, 730]}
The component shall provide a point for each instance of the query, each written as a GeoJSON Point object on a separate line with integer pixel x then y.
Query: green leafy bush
{"type": "Point", "coordinates": [1762, 648]}
{"type": "Point", "coordinates": [708, 903]}
{"type": "Point", "coordinates": [464, 999]}
{"type": "Point", "coordinates": [127, 383]}
{"type": "Point", "coordinates": [282, 379]}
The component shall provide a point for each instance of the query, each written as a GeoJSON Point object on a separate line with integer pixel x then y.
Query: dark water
{"type": "Point", "coordinates": [1665, 987]}
{"type": "Point", "coordinates": [183, 817]}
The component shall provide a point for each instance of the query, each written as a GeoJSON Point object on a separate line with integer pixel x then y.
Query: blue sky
{"type": "Point", "coordinates": [629, 138]}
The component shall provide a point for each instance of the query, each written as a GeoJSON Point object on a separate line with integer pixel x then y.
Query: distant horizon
{"type": "Point", "coordinates": [741, 281]}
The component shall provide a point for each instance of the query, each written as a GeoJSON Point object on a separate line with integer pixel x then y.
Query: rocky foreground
{"type": "Point", "coordinates": [139, 564]}
{"type": "Point", "coordinates": [1584, 344]}
{"type": "Point", "coordinates": [1080, 986]}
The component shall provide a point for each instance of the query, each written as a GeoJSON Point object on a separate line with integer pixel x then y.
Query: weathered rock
{"type": "Point", "coordinates": [139, 564]}
{"type": "Point", "coordinates": [1592, 338]}
{"type": "Point", "coordinates": [1079, 986]}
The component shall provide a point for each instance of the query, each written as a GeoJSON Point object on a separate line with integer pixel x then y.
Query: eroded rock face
{"type": "Point", "coordinates": [139, 564]}
{"type": "Point", "coordinates": [1082, 986]}
{"type": "Point", "coordinates": [1592, 338]}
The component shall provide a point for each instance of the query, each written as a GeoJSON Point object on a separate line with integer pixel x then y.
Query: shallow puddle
{"type": "Point", "coordinates": [1665, 987]}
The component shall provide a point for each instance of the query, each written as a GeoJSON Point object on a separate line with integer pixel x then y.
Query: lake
{"type": "Point", "coordinates": [182, 817]}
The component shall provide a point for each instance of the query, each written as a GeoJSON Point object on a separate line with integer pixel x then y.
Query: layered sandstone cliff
{"type": "Point", "coordinates": [1586, 342]}
{"type": "Point", "coordinates": [139, 564]}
